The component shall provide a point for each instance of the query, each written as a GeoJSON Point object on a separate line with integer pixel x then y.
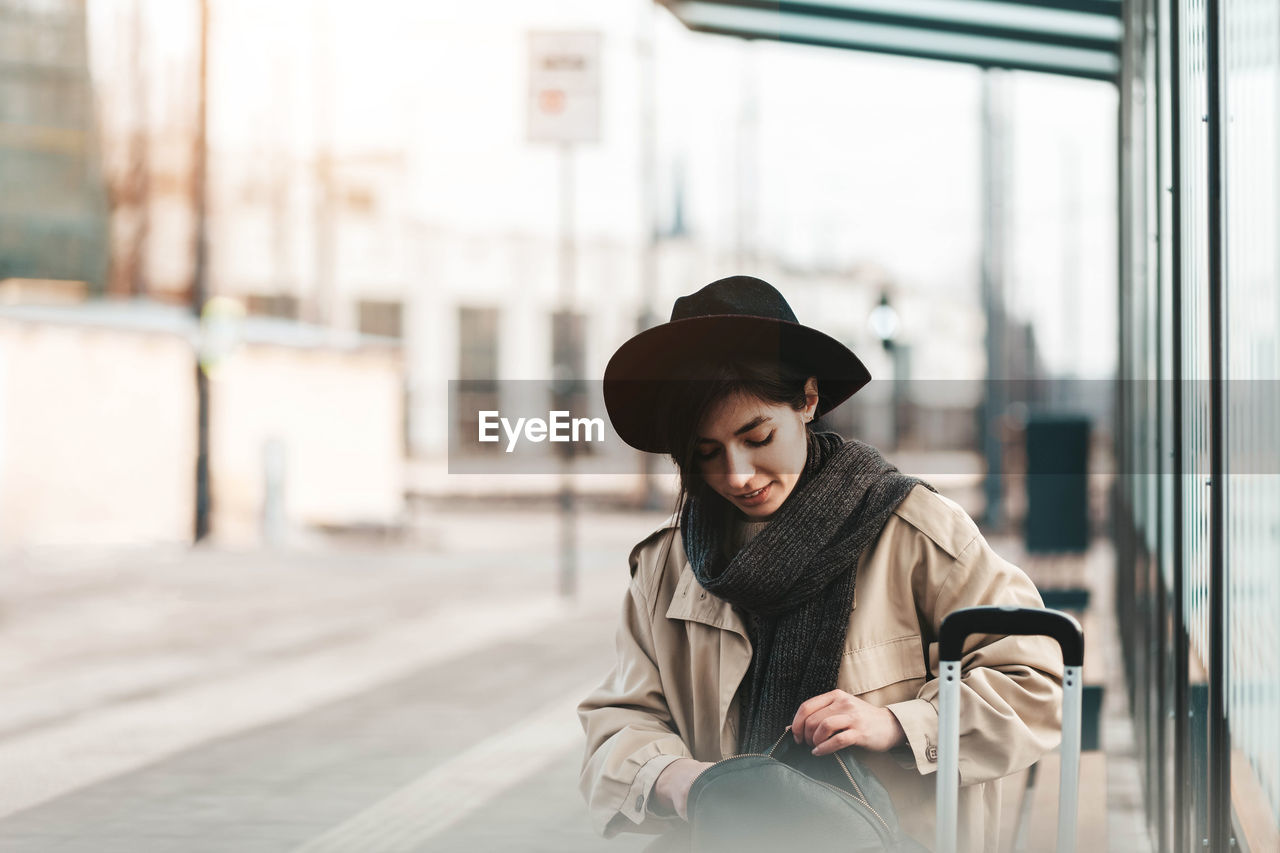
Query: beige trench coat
{"type": "Point", "coordinates": [682, 652]}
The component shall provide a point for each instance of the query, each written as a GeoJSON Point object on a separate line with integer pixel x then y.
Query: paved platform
{"type": "Point", "coordinates": [186, 700]}
{"type": "Point", "coordinates": [304, 782]}
{"type": "Point", "coordinates": [414, 698]}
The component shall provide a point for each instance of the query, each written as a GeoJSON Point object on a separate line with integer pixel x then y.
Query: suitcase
{"type": "Point", "coordinates": [1007, 620]}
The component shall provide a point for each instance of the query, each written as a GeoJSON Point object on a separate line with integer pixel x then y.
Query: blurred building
{"type": "Point", "coordinates": [98, 403]}
{"type": "Point", "coordinates": [53, 212]}
{"type": "Point", "coordinates": [369, 172]}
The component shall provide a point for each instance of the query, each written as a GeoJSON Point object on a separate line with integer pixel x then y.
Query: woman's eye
{"type": "Point", "coordinates": [713, 453]}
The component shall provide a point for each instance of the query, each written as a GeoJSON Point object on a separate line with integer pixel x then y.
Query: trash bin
{"type": "Point", "coordinates": [1057, 483]}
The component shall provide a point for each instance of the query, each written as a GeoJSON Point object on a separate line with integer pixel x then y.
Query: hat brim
{"type": "Point", "coordinates": [639, 374]}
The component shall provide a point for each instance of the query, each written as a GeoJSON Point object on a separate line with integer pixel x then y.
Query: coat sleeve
{"type": "Point", "coordinates": [1010, 687]}
{"type": "Point", "coordinates": [630, 735]}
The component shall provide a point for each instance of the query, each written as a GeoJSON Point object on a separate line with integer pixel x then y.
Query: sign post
{"type": "Point", "coordinates": [564, 109]}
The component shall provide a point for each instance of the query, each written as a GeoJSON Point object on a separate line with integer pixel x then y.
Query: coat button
{"type": "Point", "coordinates": [640, 803]}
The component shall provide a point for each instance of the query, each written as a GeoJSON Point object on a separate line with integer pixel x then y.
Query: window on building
{"type": "Point", "coordinates": [272, 305]}
{"type": "Point", "coordinates": [567, 345]}
{"type": "Point", "coordinates": [381, 317]}
{"type": "Point", "coordinates": [477, 372]}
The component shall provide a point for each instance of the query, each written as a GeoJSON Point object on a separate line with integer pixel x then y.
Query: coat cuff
{"type": "Point", "coordinates": [919, 720]}
{"type": "Point", "coordinates": [636, 805]}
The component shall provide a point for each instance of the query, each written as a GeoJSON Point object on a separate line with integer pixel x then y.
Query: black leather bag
{"type": "Point", "coordinates": [787, 798]}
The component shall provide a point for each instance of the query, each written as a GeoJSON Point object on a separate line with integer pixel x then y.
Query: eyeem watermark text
{"type": "Point", "coordinates": [558, 427]}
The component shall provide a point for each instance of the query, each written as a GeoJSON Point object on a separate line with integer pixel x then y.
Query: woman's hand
{"type": "Point", "coordinates": [837, 719]}
{"type": "Point", "coordinates": [673, 783]}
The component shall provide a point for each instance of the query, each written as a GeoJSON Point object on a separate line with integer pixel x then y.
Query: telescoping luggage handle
{"type": "Point", "coordinates": [1007, 620]}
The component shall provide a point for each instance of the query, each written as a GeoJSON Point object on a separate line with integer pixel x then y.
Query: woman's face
{"type": "Point", "coordinates": [751, 452]}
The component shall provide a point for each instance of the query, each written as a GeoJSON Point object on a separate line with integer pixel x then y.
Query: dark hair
{"type": "Point", "coordinates": [700, 386]}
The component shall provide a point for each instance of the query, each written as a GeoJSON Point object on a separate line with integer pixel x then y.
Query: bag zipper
{"type": "Point", "coordinates": [861, 797]}
{"type": "Point", "coordinates": [768, 754]}
{"type": "Point", "coordinates": [857, 794]}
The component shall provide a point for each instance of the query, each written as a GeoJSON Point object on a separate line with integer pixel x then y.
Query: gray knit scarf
{"type": "Point", "coordinates": [795, 579]}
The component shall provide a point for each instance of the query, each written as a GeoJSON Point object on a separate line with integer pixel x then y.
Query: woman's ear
{"type": "Point", "coordinates": [810, 398]}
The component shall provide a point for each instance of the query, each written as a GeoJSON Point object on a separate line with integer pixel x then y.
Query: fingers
{"type": "Point", "coordinates": [838, 741]}
{"type": "Point", "coordinates": [836, 719]}
{"type": "Point", "coordinates": [835, 732]}
{"type": "Point", "coordinates": [807, 709]}
{"type": "Point", "coordinates": [832, 725]}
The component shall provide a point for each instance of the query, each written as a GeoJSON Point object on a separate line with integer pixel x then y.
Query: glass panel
{"type": "Point", "coordinates": [1251, 75]}
{"type": "Point", "coordinates": [1195, 414]}
{"type": "Point", "coordinates": [1166, 808]}
{"type": "Point", "coordinates": [1151, 721]}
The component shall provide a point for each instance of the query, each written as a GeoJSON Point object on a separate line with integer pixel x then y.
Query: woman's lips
{"type": "Point", "coordinates": [758, 499]}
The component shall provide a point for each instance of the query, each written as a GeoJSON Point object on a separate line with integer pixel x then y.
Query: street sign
{"type": "Point", "coordinates": [564, 86]}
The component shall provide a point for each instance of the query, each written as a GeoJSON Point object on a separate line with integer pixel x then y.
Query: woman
{"type": "Point", "coordinates": [802, 581]}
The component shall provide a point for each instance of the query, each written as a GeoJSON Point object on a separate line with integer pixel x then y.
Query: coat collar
{"type": "Point", "coordinates": [692, 603]}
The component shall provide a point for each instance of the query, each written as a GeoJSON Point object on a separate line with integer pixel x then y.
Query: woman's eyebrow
{"type": "Point", "coordinates": [747, 427]}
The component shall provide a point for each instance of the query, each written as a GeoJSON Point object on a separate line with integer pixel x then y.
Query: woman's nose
{"type": "Point", "coordinates": [738, 468]}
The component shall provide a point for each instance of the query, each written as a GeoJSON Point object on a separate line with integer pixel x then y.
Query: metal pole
{"type": "Point", "coordinates": [1181, 730]}
{"type": "Point", "coordinates": [199, 288]}
{"type": "Point", "coordinates": [948, 781]}
{"type": "Point", "coordinates": [1157, 33]}
{"type": "Point", "coordinates": [1219, 734]}
{"type": "Point", "coordinates": [324, 308]}
{"type": "Point", "coordinates": [895, 393]}
{"type": "Point", "coordinates": [992, 296]}
{"type": "Point", "coordinates": [1069, 753]}
{"type": "Point", "coordinates": [748, 144]}
{"type": "Point", "coordinates": [901, 353]}
{"type": "Point", "coordinates": [648, 215]}
{"type": "Point", "coordinates": [568, 500]}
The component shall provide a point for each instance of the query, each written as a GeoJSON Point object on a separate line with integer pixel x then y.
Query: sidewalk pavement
{"type": "Point", "coordinates": [187, 700]}
{"type": "Point", "coordinates": [347, 699]}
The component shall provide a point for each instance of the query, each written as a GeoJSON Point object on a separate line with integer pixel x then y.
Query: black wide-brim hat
{"type": "Point", "coordinates": [735, 317]}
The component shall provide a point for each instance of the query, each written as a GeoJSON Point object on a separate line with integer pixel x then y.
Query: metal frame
{"type": "Point", "coordinates": [1007, 620]}
{"type": "Point", "coordinates": [939, 23]}
{"type": "Point", "coordinates": [1219, 793]}
{"type": "Point", "coordinates": [948, 755]}
{"type": "Point", "coordinates": [1180, 640]}
{"type": "Point", "coordinates": [927, 29]}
